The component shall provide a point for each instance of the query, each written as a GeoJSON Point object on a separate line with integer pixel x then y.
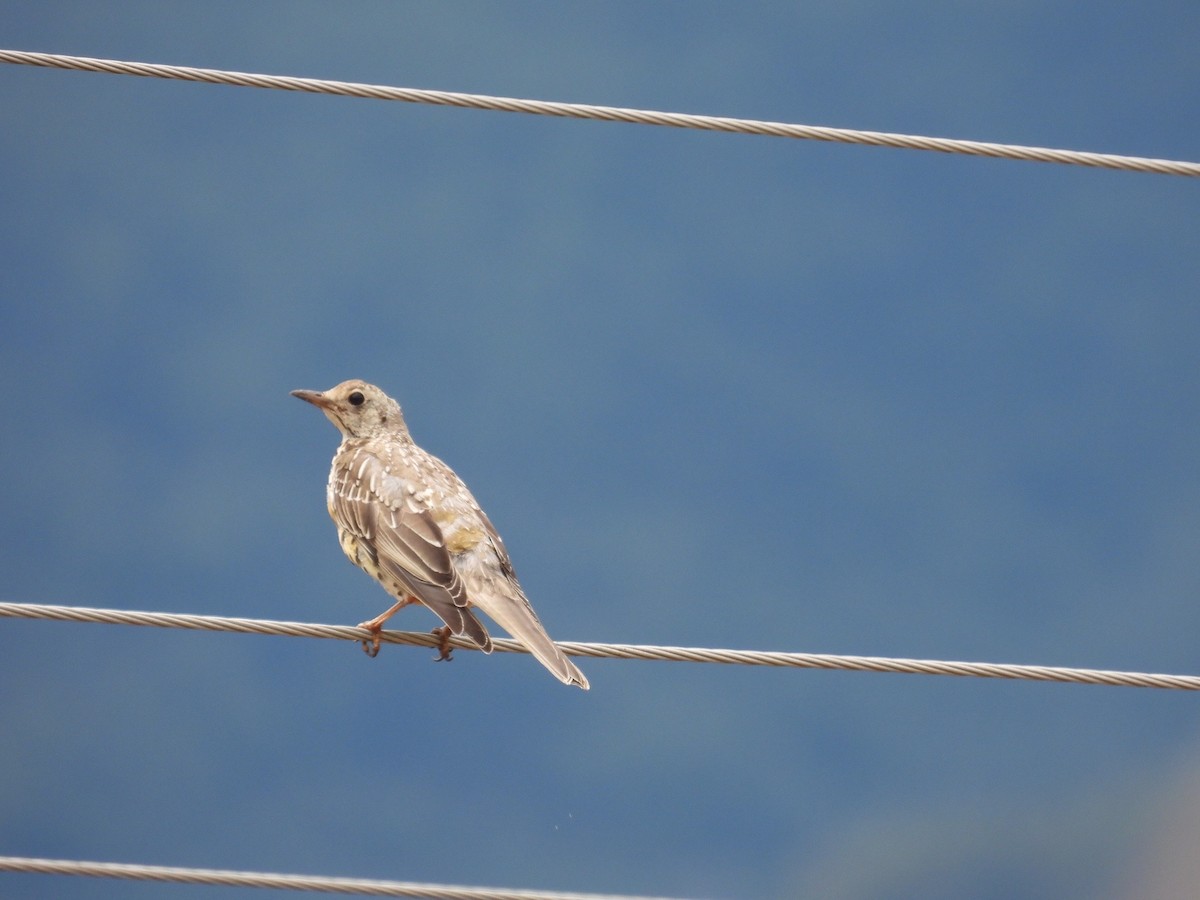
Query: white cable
{"type": "Point", "coordinates": [605, 113]}
{"type": "Point", "coordinates": [615, 651]}
{"type": "Point", "coordinates": [360, 886]}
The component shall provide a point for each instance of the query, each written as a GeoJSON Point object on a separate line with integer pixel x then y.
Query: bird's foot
{"type": "Point", "coordinates": [444, 648]}
{"type": "Point", "coordinates": [371, 645]}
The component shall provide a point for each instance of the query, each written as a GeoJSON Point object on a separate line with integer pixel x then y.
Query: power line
{"type": "Point", "coordinates": [605, 113]}
{"type": "Point", "coordinates": [615, 651]}
{"type": "Point", "coordinates": [322, 884]}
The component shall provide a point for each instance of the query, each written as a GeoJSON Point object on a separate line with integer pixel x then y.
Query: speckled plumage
{"type": "Point", "coordinates": [409, 522]}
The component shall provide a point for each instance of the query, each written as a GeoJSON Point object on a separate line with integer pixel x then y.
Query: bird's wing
{"type": "Point", "coordinates": [405, 541]}
{"type": "Point", "coordinates": [506, 565]}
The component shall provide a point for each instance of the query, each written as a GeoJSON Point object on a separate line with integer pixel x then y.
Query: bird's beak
{"type": "Point", "coordinates": [316, 398]}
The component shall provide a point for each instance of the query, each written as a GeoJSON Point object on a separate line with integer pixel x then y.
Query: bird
{"type": "Point", "coordinates": [405, 518]}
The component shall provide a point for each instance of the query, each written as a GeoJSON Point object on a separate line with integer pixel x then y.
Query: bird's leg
{"type": "Point", "coordinates": [371, 645]}
{"type": "Point", "coordinates": [444, 648]}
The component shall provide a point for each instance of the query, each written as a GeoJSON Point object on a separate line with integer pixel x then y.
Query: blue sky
{"type": "Point", "coordinates": [714, 390]}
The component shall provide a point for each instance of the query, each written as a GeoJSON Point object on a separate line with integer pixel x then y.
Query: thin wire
{"type": "Point", "coordinates": [605, 113]}
{"type": "Point", "coordinates": [360, 886]}
{"type": "Point", "coordinates": [615, 651]}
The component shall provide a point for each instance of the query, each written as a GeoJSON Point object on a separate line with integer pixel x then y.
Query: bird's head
{"type": "Point", "coordinates": [358, 409]}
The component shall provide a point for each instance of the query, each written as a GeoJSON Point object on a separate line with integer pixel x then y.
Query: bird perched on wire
{"type": "Point", "coordinates": [409, 522]}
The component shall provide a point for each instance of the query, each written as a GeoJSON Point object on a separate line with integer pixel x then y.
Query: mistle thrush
{"type": "Point", "coordinates": [409, 522]}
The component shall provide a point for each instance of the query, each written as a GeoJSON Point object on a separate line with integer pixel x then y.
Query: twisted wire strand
{"type": "Point", "coordinates": [322, 884]}
{"type": "Point", "coordinates": [615, 651]}
{"type": "Point", "coordinates": [605, 113]}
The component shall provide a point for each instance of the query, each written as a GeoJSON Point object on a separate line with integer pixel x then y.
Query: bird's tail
{"type": "Point", "coordinates": [518, 619]}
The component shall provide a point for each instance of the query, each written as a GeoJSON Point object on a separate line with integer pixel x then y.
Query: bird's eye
{"type": "Point", "coordinates": [356, 399]}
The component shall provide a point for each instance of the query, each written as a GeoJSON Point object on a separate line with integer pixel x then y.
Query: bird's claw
{"type": "Point", "coordinates": [370, 645]}
{"type": "Point", "coordinates": [444, 648]}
